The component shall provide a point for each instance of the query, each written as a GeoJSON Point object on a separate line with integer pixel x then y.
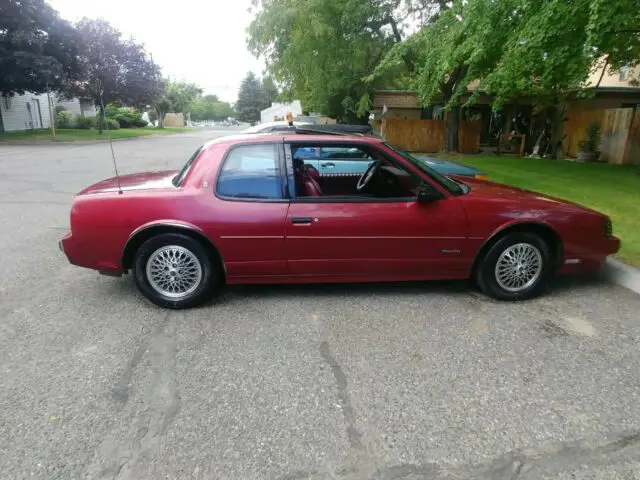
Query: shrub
{"type": "Point", "coordinates": [64, 119]}
{"type": "Point", "coordinates": [85, 123]}
{"type": "Point", "coordinates": [129, 118]}
{"type": "Point", "coordinates": [111, 123]}
{"type": "Point", "coordinates": [60, 108]}
{"type": "Point", "coordinates": [591, 140]}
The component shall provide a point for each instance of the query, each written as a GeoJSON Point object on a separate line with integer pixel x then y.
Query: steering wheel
{"type": "Point", "coordinates": [366, 177]}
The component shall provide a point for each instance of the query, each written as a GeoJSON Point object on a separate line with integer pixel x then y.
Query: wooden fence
{"type": "Point", "coordinates": [578, 119]}
{"type": "Point", "coordinates": [633, 142]}
{"type": "Point", "coordinates": [620, 136]}
{"type": "Point", "coordinates": [469, 136]}
{"type": "Point", "coordinates": [428, 136]}
{"type": "Point", "coordinates": [414, 135]}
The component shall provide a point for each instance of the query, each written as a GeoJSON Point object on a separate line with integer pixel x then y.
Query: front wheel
{"type": "Point", "coordinates": [173, 271]}
{"type": "Point", "coordinates": [516, 267]}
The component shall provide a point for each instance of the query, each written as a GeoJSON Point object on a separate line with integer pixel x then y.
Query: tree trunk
{"type": "Point", "coordinates": [101, 119]}
{"type": "Point", "coordinates": [452, 126]}
{"type": "Point", "coordinates": [537, 133]}
{"type": "Point", "coordinates": [557, 131]}
{"type": "Point", "coordinates": [160, 118]}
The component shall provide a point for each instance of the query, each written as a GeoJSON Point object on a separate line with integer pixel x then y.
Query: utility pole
{"type": "Point", "coordinates": [52, 120]}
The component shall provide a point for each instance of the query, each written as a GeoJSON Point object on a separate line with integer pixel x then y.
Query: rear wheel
{"type": "Point", "coordinates": [173, 271]}
{"type": "Point", "coordinates": [516, 267]}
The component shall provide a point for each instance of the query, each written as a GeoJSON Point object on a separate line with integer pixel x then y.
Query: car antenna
{"type": "Point", "coordinates": [113, 155]}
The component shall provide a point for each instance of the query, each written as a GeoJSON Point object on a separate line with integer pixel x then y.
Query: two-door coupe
{"type": "Point", "coordinates": [249, 209]}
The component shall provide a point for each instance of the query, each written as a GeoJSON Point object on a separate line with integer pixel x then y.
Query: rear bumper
{"type": "Point", "coordinates": [580, 261]}
{"type": "Point", "coordinates": [65, 242]}
{"type": "Point", "coordinates": [88, 255]}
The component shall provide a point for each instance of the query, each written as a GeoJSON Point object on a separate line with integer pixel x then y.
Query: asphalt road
{"type": "Point", "coordinates": [420, 381]}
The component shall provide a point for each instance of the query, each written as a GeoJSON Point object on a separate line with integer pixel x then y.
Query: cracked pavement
{"type": "Point", "coordinates": [401, 381]}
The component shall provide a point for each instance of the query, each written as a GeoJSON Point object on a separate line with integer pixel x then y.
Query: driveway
{"type": "Point", "coordinates": [403, 381]}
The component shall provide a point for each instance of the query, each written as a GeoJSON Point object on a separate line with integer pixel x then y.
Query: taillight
{"type": "Point", "coordinates": [608, 227]}
{"type": "Point", "coordinates": [481, 177]}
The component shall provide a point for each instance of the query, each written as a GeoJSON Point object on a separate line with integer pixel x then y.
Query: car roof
{"type": "Point", "coordinates": [279, 123]}
{"type": "Point", "coordinates": [299, 137]}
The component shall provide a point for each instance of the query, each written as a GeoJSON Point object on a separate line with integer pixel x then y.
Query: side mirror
{"type": "Point", "coordinates": [428, 194]}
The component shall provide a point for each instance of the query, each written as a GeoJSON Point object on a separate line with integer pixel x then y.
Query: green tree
{"type": "Point", "coordinates": [250, 99]}
{"type": "Point", "coordinates": [541, 49]}
{"type": "Point", "coordinates": [177, 97]}
{"type": "Point", "coordinates": [270, 91]}
{"type": "Point", "coordinates": [113, 69]}
{"type": "Point", "coordinates": [38, 50]}
{"type": "Point", "coordinates": [321, 51]}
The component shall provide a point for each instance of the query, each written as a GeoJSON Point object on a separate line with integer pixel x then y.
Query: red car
{"type": "Point", "coordinates": [245, 209]}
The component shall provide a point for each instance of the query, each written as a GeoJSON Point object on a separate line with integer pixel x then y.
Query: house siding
{"type": "Point", "coordinates": [612, 79]}
{"type": "Point", "coordinates": [17, 116]}
{"type": "Point", "coordinates": [79, 108]}
{"type": "Point", "coordinates": [88, 109]}
{"type": "Point", "coordinates": [71, 105]}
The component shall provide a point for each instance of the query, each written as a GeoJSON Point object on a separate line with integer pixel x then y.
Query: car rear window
{"type": "Point", "coordinates": [252, 172]}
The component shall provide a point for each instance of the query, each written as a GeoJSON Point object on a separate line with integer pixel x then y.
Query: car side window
{"type": "Point", "coordinates": [251, 172]}
{"type": "Point", "coordinates": [335, 160]}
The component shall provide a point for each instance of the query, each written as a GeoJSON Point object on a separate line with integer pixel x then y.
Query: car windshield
{"type": "Point", "coordinates": [451, 185]}
{"type": "Point", "coordinates": [177, 180]}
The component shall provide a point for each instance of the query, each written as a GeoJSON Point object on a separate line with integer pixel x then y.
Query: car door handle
{"type": "Point", "coordinates": [301, 220]}
{"type": "Point", "coordinates": [328, 165]}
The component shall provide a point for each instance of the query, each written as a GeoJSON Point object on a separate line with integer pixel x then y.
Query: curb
{"type": "Point", "coordinates": [617, 272]}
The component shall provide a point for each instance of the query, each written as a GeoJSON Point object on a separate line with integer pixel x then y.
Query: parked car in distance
{"type": "Point", "coordinates": [254, 209]}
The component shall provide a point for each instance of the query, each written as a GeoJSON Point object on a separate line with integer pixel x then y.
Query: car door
{"type": "Point", "coordinates": [249, 214]}
{"type": "Point", "coordinates": [342, 161]}
{"type": "Point", "coordinates": [376, 237]}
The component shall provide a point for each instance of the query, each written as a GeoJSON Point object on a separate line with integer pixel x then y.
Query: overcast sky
{"type": "Point", "coordinates": [201, 41]}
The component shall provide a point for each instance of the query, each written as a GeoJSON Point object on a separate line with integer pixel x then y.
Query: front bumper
{"type": "Point", "coordinates": [589, 261]}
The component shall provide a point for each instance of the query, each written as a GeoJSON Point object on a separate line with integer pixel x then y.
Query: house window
{"type": "Point", "coordinates": [624, 73]}
{"type": "Point", "coordinates": [6, 99]}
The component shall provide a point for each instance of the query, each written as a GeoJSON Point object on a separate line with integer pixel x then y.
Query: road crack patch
{"type": "Point", "coordinates": [353, 434]}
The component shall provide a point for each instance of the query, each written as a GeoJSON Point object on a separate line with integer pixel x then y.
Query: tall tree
{"type": "Point", "coordinates": [270, 91]}
{"type": "Point", "coordinates": [38, 50]}
{"type": "Point", "coordinates": [250, 99]}
{"type": "Point", "coordinates": [177, 97]}
{"type": "Point", "coordinates": [539, 49]}
{"type": "Point", "coordinates": [209, 107]}
{"type": "Point", "coordinates": [113, 69]}
{"type": "Point", "coordinates": [320, 51]}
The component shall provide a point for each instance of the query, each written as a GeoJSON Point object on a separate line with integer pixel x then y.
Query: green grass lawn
{"type": "Point", "coordinates": [66, 135]}
{"type": "Point", "coordinates": [611, 189]}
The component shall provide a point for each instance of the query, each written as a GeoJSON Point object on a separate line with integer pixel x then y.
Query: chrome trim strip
{"type": "Point", "coordinates": [321, 237]}
{"type": "Point", "coordinates": [253, 237]}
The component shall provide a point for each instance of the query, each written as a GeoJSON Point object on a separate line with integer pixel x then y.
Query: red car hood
{"type": "Point", "coordinates": [484, 189]}
{"type": "Point", "coordinates": [135, 181]}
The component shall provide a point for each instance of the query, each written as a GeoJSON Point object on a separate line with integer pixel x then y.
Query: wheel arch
{"type": "Point", "coordinates": [145, 232]}
{"type": "Point", "coordinates": [545, 231]}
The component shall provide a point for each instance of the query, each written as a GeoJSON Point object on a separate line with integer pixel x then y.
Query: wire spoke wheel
{"type": "Point", "coordinates": [518, 267]}
{"type": "Point", "coordinates": [174, 271]}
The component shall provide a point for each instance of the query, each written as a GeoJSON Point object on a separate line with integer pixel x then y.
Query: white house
{"type": "Point", "coordinates": [80, 108]}
{"type": "Point", "coordinates": [278, 111]}
{"type": "Point", "coordinates": [33, 111]}
{"type": "Point", "coordinates": [24, 112]}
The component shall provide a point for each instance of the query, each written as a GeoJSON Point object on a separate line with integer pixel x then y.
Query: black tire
{"type": "Point", "coordinates": [202, 288]}
{"type": "Point", "coordinates": [486, 269]}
